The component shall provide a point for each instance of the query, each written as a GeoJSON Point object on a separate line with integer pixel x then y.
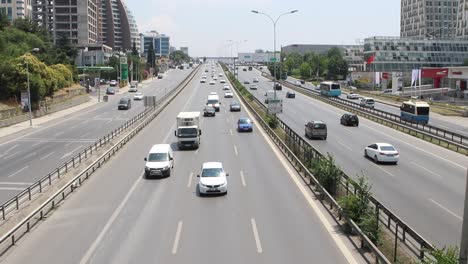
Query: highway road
{"type": "Point", "coordinates": [31, 154]}
{"type": "Point", "coordinates": [435, 119]}
{"type": "Point", "coordinates": [120, 217]}
{"type": "Point", "coordinates": [426, 188]}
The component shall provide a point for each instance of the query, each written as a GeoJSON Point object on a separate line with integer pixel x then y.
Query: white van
{"type": "Point", "coordinates": [213, 100]}
{"type": "Point", "coordinates": [367, 102]}
{"type": "Point", "coordinates": [160, 161]}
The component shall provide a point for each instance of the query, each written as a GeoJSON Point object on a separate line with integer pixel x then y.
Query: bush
{"type": "Point", "coordinates": [444, 256]}
{"type": "Point", "coordinates": [272, 121]}
{"type": "Point", "coordinates": [327, 173]}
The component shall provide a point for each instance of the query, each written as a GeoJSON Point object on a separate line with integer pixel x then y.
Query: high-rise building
{"type": "Point", "coordinates": [161, 43]}
{"type": "Point", "coordinates": [115, 25]}
{"type": "Point", "coordinates": [16, 8]}
{"type": "Point", "coordinates": [134, 34]}
{"type": "Point", "coordinates": [428, 18]}
{"type": "Point", "coordinates": [462, 19]}
{"type": "Point", "coordinates": [76, 20]}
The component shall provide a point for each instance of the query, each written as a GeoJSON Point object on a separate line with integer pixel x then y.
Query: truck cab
{"type": "Point", "coordinates": [188, 130]}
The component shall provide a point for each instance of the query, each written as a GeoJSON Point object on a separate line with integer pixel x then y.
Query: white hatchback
{"type": "Point", "coordinates": [382, 152]}
{"type": "Point", "coordinates": [212, 178]}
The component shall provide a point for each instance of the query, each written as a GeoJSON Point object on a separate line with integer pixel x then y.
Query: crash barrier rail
{"type": "Point", "coordinates": [16, 202]}
{"type": "Point", "coordinates": [454, 141]}
{"type": "Point", "coordinates": [303, 151]}
{"type": "Point", "coordinates": [333, 207]}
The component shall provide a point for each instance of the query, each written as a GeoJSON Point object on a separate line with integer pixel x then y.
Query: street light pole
{"type": "Point", "coordinates": [29, 89]}
{"type": "Point", "coordinates": [274, 21]}
{"type": "Point", "coordinates": [464, 237]}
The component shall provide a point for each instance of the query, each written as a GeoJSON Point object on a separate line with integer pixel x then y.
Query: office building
{"type": "Point", "coordinates": [16, 8]}
{"type": "Point", "coordinates": [76, 20]}
{"type": "Point", "coordinates": [161, 43]}
{"type": "Point", "coordinates": [134, 33]}
{"type": "Point", "coordinates": [428, 18]}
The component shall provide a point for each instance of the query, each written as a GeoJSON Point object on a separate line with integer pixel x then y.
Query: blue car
{"type": "Point", "coordinates": [244, 124]}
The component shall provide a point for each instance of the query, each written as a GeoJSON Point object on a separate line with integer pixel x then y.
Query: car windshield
{"type": "Point", "coordinates": [209, 108]}
{"type": "Point", "coordinates": [370, 101]}
{"type": "Point", "coordinates": [235, 104]}
{"type": "Point", "coordinates": [123, 101]}
{"type": "Point", "coordinates": [244, 121]}
{"type": "Point", "coordinates": [212, 102]}
{"type": "Point", "coordinates": [387, 148]}
{"type": "Point", "coordinates": [157, 157]}
{"type": "Point", "coordinates": [138, 94]}
{"type": "Point", "coordinates": [212, 172]}
{"type": "Point", "coordinates": [187, 132]}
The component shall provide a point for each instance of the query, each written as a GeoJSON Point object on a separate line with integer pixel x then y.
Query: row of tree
{"type": "Point", "coordinates": [312, 66]}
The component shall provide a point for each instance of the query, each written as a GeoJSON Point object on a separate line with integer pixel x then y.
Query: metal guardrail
{"type": "Point", "coordinates": [451, 139]}
{"type": "Point", "coordinates": [8, 240]}
{"type": "Point", "coordinates": [413, 242]}
{"type": "Point", "coordinates": [48, 180]}
{"type": "Point", "coordinates": [333, 207]}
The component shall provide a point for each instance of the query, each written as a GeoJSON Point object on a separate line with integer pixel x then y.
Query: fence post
{"type": "Point", "coordinates": [396, 243]}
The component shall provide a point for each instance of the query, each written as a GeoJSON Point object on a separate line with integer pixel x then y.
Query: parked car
{"type": "Point", "coordinates": [349, 120]}
{"type": "Point", "coordinates": [124, 104]}
{"type": "Point", "coordinates": [138, 96]}
{"type": "Point", "coordinates": [113, 83]}
{"type": "Point", "coordinates": [352, 95]}
{"type": "Point", "coordinates": [209, 111]}
{"type": "Point", "coordinates": [382, 152]}
{"type": "Point", "coordinates": [367, 103]}
{"type": "Point", "coordinates": [212, 179]}
{"type": "Point", "coordinates": [244, 124]}
{"type": "Point", "coordinates": [316, 129]}
{"type": "Point", "coordinates": [110, 90]}
{"type": "Point", "coordinates": [244, 69]}
{"type": "Point", "coordinates": [235, 107]}
{"type": "Point", "coordinates": [290, 94]}
{"type": "Point", "coordinates": [277, 86]}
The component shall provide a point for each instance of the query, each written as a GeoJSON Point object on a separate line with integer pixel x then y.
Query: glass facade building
{"type": "Point", "coordinates": [161, 43]}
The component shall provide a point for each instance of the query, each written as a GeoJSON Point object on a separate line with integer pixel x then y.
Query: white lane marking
{"type": "Point", "coordinates": [230, 132]}
{"type": "Point", "coordinates": [48, 155]}
{"type": "Point", "coordinates": [68, 144]}
{"type": "Point", "coordinates": [89, 253]}
{"type": "Point", "coordinates": [71, 152]}
{"type": "Point", "coordinates": [12, 188]}
{"type": "Point", "coordinates": [11, 155]}
{"type": "Point", "coordinates": [177, 238]}
{"type": "Point", "coordinates": [256, 236]}
{"type": "Point", "coordinates": [59, 133]}
{"type": "Point", "coordinates": [85, 134]}
{"type": "Point", "coordinates": [16, 183]}
{"type": "Point", "coordinates": [30, 154]}
{"type": "Point", "coordinates": [18, 171]}
{"type": "Point", "coordinates": [190, 180]}
{"type": "Point", "coordinates": [196, 152]}
{"type": "Point", "coordinates": [72, 127]}
{"type": "Point", "coordinates": [235, 150]}
{"type": "Point", "coordinates": [108, 122]}
{"type": "Point", "coordinates": [447, 210]}
{"type": "Point", "coordinates": [10, 149]}
{"type": "Point", "coordinates": [342, 144]}
{"type": "Point", "coordinates": [242, 178]}
{"type": "Point", "coordinates": [384, 170]}
{"type": "Point", "coordinates": [349, 130]}
{"type": "Point", "coordinates": [446, 127]}
{"type": "Point", "coordinates": [431, 172]}
{"type": "Point", "coordinates": [411, 145]}
{"type": "Point", "coordinates": [35, 144]}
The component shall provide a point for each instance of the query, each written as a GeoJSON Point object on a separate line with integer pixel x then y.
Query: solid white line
{"type": "Point", "coordinates": [384, 170]}
{"type": "Point", "coordinates": [85, 134]}
{"type": "Point", "coordinates": [242, 178]}
{"type": "Point", "coordinates": [190, 180]}
{"type": "Point", "coordinates": [16, 183]}
{"type": "Point", "coordinates": [35, 144]}
{"type": "Point", "coordinates": [11, 189]}
{"type": "Point", "coordinates": [46, 156]}
{"type": "Point", "coordinates": [68, 144]}
{"type": "Point", "coordinates": [256, 236]}
{"type": "Point", "coordinates": [230, 132]}
{"type": "Point", "coordinates": [177, 238]}
{"type": "Point", "coordinates": [11, 155]}
{"type": "Point", "coordinates": [77, 148]}
{"type": "Point", "coordinates": [59, 133]}
{"type": "Point", "coordinates": [235, 150]}
{"type": "Point", "coordinates": [447, 210]}
{"type": "Point", "coordinates": [431, 172]}
{"type": "Point", "coordinates": [20, 170]}
{"type": "Point", "coordinates": [89, 253]}
{"type": "Point", "coordinates": [108, 122]}
{"type": "Point", "coordinates": [339, 142]}
{"type": "Point", "coordinates": [10, 149]}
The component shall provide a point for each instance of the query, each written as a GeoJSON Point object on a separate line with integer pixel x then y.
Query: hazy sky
{"type": "Point", "coordinates": [206, 25]}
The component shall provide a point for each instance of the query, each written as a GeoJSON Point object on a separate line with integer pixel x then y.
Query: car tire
{"type": "Point", "coordinates": [365, 153]}
{"type": "Point", "coordinates": [324, 138]}
{"type": "Point", "coordinates": [376, 160]}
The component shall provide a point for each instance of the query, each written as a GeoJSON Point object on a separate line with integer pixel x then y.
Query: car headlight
{"type": "Point", "coordinates": [147, 168]}
{"type": "Point", "coordinates": [201, 184]}
{"type": "Point", "coordinates": [166, 167]}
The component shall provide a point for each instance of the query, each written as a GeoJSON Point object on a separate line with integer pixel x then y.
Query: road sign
{"type": "Point", "coordinates": [275, 106]}
{"type": "Point", "coordinates": [123, 60]}
{"type": "Point", "coordinates": [273, 59]}
{"type": "Point", "coordinates": [149, 101]}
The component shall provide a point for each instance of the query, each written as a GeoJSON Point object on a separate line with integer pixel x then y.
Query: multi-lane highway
{"type": "Point", "coordinates": [426, 188]}
{"type": "Point", "coordinates": [120, 217]}
{"type": "Point", "coordinates": [28, 156]}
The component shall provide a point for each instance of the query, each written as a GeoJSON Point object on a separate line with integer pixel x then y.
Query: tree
{"type": "Point", "coordinates": [327, 173]}
{"type": "Point", "coordinates": [150, 59]}
{"type": "Point", "coordinates": [134, 49]}
{"type": "Point", "coordinates": [305, 70]}
{"type": "Point", "coordinates": [293, 61]}
{"type": "Point", "coordinates": [4, 21]}
{"type": "Point", "coordinates": [337, 68]}
{"type": "Point", "coordinates": [179, 57]}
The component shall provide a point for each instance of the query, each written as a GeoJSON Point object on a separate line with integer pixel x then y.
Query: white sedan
{"type": "Point", "coordinates": [228, 94]}
{"type": "Point", "coordinates": [138, 96]}
{"type": "Point", "coordinates": [212, 82]}
{"type": "Point", "coordinates": [352, 96]}
{"type": "Point", "coordinates": [226, 87]}
{"type": "Point", "coordinates": [212, 179]}
{"type": "Point", "coordinates": [382, 152]}
{"type": "Point", "coordinates": [222, 81]}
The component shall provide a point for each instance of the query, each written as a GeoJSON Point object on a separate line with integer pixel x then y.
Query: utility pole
{"type": "Point", "coordinates": [464, 237]}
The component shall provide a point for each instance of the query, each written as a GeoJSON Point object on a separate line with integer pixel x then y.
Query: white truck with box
{"type": "Point", "coordinates": [188, 130]}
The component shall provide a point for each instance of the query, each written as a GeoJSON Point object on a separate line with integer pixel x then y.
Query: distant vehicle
{"type": "Point", "coordinates": [235, 107]}
{"type": "Point", "coordinates": [246, 82]}
{"type": "Point", "coordinates": [330, 89]}
{"type": "Point", "coordinates": [132, 88]}
{"type": "Point", "coordinates": [213, 93]}
{"type": "Point", "coordinates": [244, 124]}
{"type": "Point", "coordinates": [222, 81]}
{"type": "Point", "coordinates": [298, 83]}
{"type": "Point", "coordinates": [255, 80]}
{"type": "Point", "coordinates": [188, 130]}
{"type": "Point", "coordinates": [290, 94]}
{"type": "Point", "coordinates": [102, 81]}
{"type": "Point", "coordinates": [261, 68]}
{"type": "Point", "coordinates": [212, 82]}
{"type": "Point", "coordinates": [181, 67]}
{"type": "Point", "coordinates": [124, 104]}
{"type": "Point", "coordinates": [244, 69]}
{"type": "Point", "coordinates": [415, 111]}
{"type": "Point", "coordinates": [250, 68]}
{"type": "Point", "coordinates": [110, 90]}
{"type": "Point", "coordinates": [382, 152]}
{"type": "Point", "coordinates": [226, 87]}
{"type": "Point", "coordinates": [352, 95]}
{"type": "Point", "coordinates": [206, 70]}
{"type": "Point", "coordinates": [209, 111]}
{"type": "Point", "coordinates": [277, 86]}
{"type": "Point", "coordinates": [215, 78]}
{"type": "Point", "coordinates": [113, 83]}
{"type": "Point", "coordinates": [213, 100]}
{"type": "Point", "coordinates": [253, 87]}
{"type": "Point", "coordinates": [203, 80]}
{"type": "Point", "coordinates": [367, 102]}
{"type": "Point", "coordinates": [160, 76]}
{"type": "Point", "coordinates": [138, 97]}
{"type": "Point", "coordinates": [228, 94]}
{"type": "Point", "coordinates": [349, 120]}
{"type": "Point", "coordinates": [316, 129]}
{"type": "Point", "coordinates": [160, 161]}
{"type": "Point", "coordinates": [220, 75]}
{"type": "Point", "coordinates": [212, 179]}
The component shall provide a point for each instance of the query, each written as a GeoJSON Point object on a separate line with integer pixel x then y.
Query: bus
{"type": "Point", "coordinates": [330, 89]}
{"type": "Point", "coordinates": [415, 112]}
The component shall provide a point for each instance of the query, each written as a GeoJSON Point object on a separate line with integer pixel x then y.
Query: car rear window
{"type": "Point", "coordinates": [123, 101]}
{"type": "Point", "coordinates": [320, 126]}
{"type": "Point", "coordinates": [370, 101]}
{"type": "Point", "coordinates": [387, 148]}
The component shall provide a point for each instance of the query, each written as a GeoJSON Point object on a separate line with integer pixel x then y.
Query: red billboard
{"type": "Point", "coordinates": [435, 73]}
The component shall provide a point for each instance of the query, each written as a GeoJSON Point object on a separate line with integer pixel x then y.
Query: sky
{"type": "Point", "coordinates": [206, 26]}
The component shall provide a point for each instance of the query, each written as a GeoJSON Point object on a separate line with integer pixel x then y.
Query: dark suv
{"type": "Point", "coordinates": [277, 86]}
{"type": "Point", "coordinates": [349, 120]}
{"type": "Point", "coordinates": [125, 103]}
